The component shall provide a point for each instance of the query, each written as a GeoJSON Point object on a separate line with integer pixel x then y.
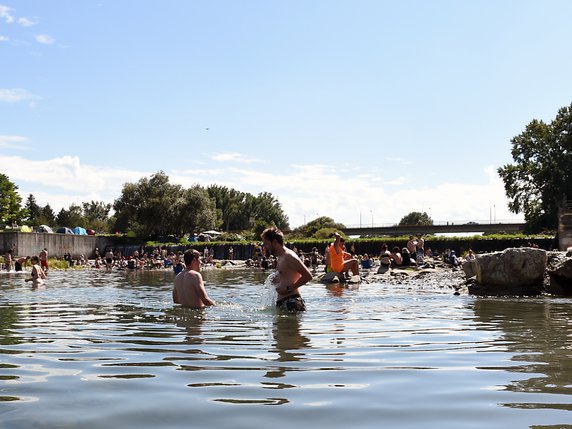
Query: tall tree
{"type": "Point", "coordinates": [11, 210]}
{"type": "Point", "coordinates": [541, 177]}
{"type": "Point", "coordinates": [34, 210]}
{"type": "Point", "coordinates": [48, 217]}
{"type": "Point", "coordinates": [155, 207]}
{"type": "Point", "coordinates": [71, 217]}
{"type": "Point", "coordinates": [416, 218]}
{"type": "Point", "coordinates": [268, 209]}
{"type": "Point", "coordinates": [311, 228]}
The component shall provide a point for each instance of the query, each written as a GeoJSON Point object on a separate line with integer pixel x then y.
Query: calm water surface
{"type": "Point", "coordinates": [109, 350]}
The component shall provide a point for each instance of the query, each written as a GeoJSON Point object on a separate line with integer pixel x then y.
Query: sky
{"type": "Point", "coordinates": [359, 110]}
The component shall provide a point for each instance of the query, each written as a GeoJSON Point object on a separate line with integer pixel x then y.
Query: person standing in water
{"type": "Point", "coordinates": [38, 274]}
{"type": "Point", "coordinates": [44, 260]}
{"type": "Point", "coordinates": [189, 289]}
{"type": "Point", "coordinates": [292, 273]}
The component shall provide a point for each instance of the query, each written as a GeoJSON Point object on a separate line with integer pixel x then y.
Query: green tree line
{"type": "Point", "coordinates": [151, 207]}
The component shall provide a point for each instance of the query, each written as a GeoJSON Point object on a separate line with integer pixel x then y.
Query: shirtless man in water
{"type": "Point", "coordinates": [292, 273]}
{"type": "Point", "coordinates": [38, 274]}
{"type": "Point", "coordinates": [189, 289]}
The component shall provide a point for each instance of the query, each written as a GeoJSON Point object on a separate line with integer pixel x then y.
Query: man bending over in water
{"type": "Point", "coordinates": [189, 289]}
{"type": "Point", "coordinates": [292, 272]}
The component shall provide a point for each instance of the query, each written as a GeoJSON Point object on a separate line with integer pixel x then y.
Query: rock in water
{"type": "Point", "coordinates": [516, 271]}
{"type": "Point", "coordinates": [561, 279]}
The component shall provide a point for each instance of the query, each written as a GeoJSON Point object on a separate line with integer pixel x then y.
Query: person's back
{"type": "Point", "coordinates": [189, 289]}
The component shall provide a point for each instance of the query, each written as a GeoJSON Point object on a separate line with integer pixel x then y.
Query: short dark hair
{"type": "Point", "coordinates": [272, 233]}
{"type": "Point", "coordinates": [190, 255]}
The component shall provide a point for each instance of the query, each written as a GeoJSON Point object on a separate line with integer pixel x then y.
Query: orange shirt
{"type": "Point", "coordinates": [336, 259]}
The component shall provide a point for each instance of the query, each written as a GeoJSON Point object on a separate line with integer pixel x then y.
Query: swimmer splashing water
{"type": "Point", "coordinates": [292, 273]}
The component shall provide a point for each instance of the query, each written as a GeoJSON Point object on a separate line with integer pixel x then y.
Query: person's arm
{"type": "Point", "coordinates": [202, 292]}
{"type": "Point", "coordinates": [175, 296]}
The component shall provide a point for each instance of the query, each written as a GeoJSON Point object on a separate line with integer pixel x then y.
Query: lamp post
{"type": "Point", "coordinates": [371, 218]}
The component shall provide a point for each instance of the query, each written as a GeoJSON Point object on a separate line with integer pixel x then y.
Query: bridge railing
{"type": "Point", "coordinates": [441, 223]}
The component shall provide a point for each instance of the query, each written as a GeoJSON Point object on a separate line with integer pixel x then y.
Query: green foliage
{"type": "Point", "coordinates": [416, 218]}
{"type": "Point", "coordinates": [312, 228]}
{"type": "Point", "coordinates": [155, 207]}
{"type": "Point", "coordinates": [34, 211]}
{"type": "Point", "coordinates": [11, 210]}
{"type": "Point", "coordinates": [541, 176]}
{"type": "Point", "coordinates": [325, 233]}
{"type": "Point", "coordinates": [239, 210]}
{"type": "Point", "coordinates": [71, 217]}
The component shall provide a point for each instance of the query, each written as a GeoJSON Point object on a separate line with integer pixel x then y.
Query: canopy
{"type": "Point", "coordinates": [45, 228]}
{"type": "Point", "coordinates": [78, 230]}
{"type": "Point", "coordinates": [64, 230]}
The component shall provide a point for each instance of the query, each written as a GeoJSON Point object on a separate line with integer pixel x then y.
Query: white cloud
{"type": "Point", "coordinates": [4, 39]}
{"type": "Point", "coordinates": [27, 22]}
{"type": "Point", "coordinates": [12, 142]}
{"type": "Point", "coordinates": [44, 39]}
{"type": "Point", "coordinates": [17, 95]}
{"type": "Point", "coordinates": [6, 14]}
{"type": "Point", "coordinates": [304, 191]}
{"type": "Point", "coordinates": [233, 157]}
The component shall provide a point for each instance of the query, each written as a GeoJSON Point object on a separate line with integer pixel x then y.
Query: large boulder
{"type": "Point", "coordinates": [560, 279]}
{"type": "Point", "coordinates": [518, 271]}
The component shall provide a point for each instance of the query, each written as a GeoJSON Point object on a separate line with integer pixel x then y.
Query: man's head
{"type": "Point", "coordinates": [190, 256]}
{"type": "Point", "coordinates": [272, 236]}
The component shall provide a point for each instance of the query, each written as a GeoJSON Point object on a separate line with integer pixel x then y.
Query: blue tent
{"type": "Point", "coordinates": [64, 230]}
{"type": "Point", "coordinates": [78, 230]}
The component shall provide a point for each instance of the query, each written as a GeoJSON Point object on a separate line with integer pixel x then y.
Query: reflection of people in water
{"type": "Point", "coordinates": [191, 320]}
{"type": "Point", "coordinates": [289, 342]}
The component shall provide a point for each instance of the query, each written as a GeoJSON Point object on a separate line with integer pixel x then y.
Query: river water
{"type": "Point", "coordinates": [94, 349]}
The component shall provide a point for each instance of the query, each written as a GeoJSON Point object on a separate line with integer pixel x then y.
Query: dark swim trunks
{"type": "Point", "coordinates": [17, 266]}
{"type": "Point", "coordinates": [291, 303]}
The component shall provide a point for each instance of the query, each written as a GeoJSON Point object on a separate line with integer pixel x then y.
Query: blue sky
{"type": "Point", "coordinates": [352, 109]}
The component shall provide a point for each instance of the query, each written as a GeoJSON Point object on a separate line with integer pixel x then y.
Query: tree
{"type": "Point", "coordinates": [71, 217]}
{"type": "Point", "coordinates": [11, 210]}
{"type": "Point", "coordinates": [416, 218]}
{"type": "Point", "coordinates": [47, 217]}
{"type": "Point", "coordinates": [321, 227]}
{"type": "Point", "coordinates": [96, 215]}
{"type": "Point", "coordinates": [541, 177]}
{"type": "Point", "coordinates": [266, 208]}
{"type": "Point", "coordinates": [34, 210]}
{"type": "Point", "coordinates": [155, 207]}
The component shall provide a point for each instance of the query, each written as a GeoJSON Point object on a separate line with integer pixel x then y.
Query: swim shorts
{"type": "Point", "coordinates": [17, 266]}
{"type": "Point", "coordinates": [291, 303]}
{"type": "Point", "coordinates": [44, 264]}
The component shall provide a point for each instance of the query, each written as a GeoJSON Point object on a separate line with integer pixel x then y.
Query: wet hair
{"type": "Point", "coordinates": [35, 259]}
{"type": "Point", "coordinates": [190, 255]}
{"type": "Point", "coordinates": [272, 233]}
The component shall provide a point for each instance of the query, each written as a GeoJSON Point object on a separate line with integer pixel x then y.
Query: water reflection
{"type": "Point", "coordinates": [537, 333]}
{"type": "Point", "coordinates": [289, 343]}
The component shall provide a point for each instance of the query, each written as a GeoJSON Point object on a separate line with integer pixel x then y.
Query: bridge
{"type": "Point", "coordinates": [440, 228]}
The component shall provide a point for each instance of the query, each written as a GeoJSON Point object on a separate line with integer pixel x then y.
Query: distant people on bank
{"type": "Point", "coordinates": [412, 245]}
{"type": "Point", "coordinates": [292, 273]}
{"type": "Point", "coordinates": [470, 256]}
{"type": "Point", "coordinates": [189, 287]}
{"type": "Point", "coordinates": [366, 261]}
{"type": "Point", "coordinates": [420, 250]}
{"type": "Point", "coordinates": [341, 261]}
{"type": "Point", "coordinates": [230, 253]}
{"type": "Point", "coordinates": [406, 258]}
{"type": "Point", "coordinates": [396, 258]}
{"type": "Point", "coordinates": [453, 259]}
{"type": "Point", "coordinates": [385, 256]}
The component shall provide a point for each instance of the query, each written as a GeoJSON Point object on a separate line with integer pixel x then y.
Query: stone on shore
{"type": "Point", "coordinates": [516, 271]}
{"type": "Point", "coordinates": [560, 282]}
